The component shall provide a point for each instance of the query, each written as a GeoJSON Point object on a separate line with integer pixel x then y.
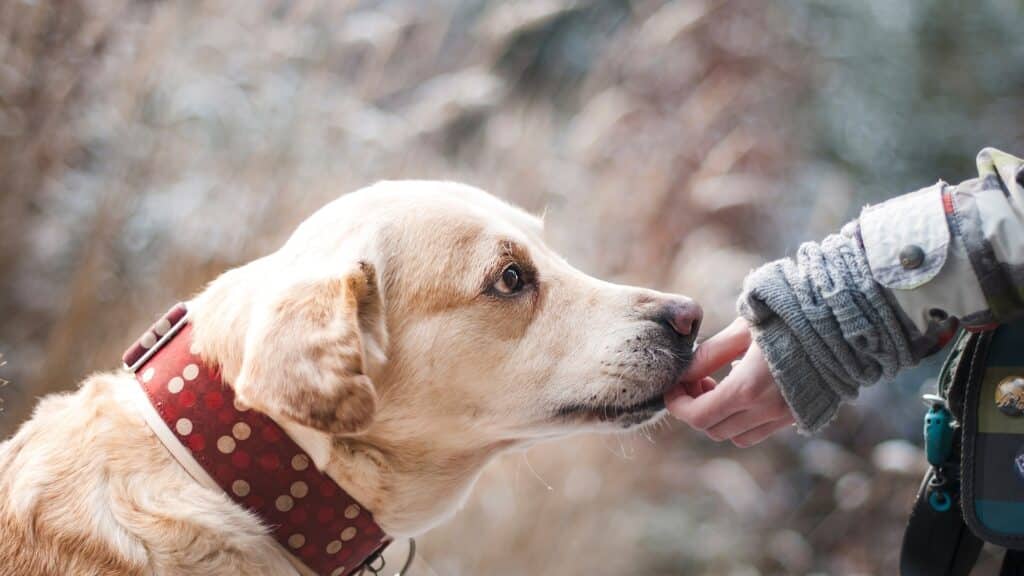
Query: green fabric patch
{"type": "Point", "coordinates": [1005, 361]}
{"type": "Point", "coordinates": [990, 419]}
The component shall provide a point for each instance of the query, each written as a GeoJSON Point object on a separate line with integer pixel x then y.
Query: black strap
{"type": "Point", "coordinates": [1013, 563]}
{"type": "Point", "coordinates": [937, 541]}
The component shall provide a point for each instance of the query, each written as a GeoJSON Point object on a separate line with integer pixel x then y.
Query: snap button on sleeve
{"type": "Point", "coordinates": [907, 238]}
{"type": "Point", "coordinates": [911, 257]}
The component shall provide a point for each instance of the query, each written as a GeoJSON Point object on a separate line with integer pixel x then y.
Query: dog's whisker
{"type": "Point", "coordinates": [526, 458]}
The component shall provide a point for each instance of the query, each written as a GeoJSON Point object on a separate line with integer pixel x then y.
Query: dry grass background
{"type": "Point", "coordinates": [147, 146]}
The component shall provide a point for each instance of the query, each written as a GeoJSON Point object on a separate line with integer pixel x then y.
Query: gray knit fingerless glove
{"type": "Point", "coordinates": [825, 326]}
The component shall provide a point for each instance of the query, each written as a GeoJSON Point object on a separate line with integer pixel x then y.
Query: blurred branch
{"type": "Point", "coordinates": [3, 382]}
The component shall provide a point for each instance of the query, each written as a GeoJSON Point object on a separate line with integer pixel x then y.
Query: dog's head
{"type": "Point", "coordinates": [411, 330]}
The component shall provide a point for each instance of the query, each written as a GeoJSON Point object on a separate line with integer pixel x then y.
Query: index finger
{"type": "Point", "coordinates": [719, 350]}
{"type": "Point", "coordinates": [706, 410]}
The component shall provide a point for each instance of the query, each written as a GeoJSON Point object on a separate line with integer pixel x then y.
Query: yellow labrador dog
{"type": "Point", "coordinates": [403, 336]}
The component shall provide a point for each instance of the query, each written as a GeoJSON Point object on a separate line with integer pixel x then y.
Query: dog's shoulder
{"type": "Point", "coordinates": [87, 488]}
{"type": "Point", "coordinates": [54, 477]}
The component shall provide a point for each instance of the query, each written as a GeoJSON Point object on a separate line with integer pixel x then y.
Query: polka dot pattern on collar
{"type": "Point", "coordinates": [252, 459]}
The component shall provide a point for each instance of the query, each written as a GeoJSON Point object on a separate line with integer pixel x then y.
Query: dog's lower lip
{"type": "Point", "coordinates": [613, 412]}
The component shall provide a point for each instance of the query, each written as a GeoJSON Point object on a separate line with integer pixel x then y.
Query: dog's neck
{"type": "Point", "coordinates": [406, 497]}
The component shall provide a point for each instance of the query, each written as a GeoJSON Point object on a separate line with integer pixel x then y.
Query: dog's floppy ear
{"type": "Point", "coordinates": [307, 350]}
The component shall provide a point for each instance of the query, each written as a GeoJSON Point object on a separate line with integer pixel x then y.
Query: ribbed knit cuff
{"type": "Point", "coordinates": [825, 327]}
{"type": "Point", "coordinates": [813, 404]}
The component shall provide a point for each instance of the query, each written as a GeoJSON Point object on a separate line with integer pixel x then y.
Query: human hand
{"type": "Point", "coordinates": [746, 406]}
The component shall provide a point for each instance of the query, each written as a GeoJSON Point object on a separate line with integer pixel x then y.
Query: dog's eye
{"type": "Point", "coordinates": [511, 280]}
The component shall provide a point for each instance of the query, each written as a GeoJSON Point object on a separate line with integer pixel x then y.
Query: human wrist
{"type": "Point", "coordinates": [813, 404]}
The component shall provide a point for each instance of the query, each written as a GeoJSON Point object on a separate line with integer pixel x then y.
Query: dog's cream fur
{"type": "Point", "coordinates": [380, 338]}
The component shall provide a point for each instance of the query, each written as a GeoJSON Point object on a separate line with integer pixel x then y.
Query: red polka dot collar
{"type": "Point", "coordinates": [248, 455]}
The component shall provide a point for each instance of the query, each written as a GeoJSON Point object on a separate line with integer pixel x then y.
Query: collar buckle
{"type": "Point", "coordinates": [155, 338]}
{"type": "Point", "coordinates": [375, 563]}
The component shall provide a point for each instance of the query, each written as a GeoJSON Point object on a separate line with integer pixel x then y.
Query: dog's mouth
{"type": "Point", "coordinates": [657, 367]}
{"type": "Point", "coordinates": [625, 415]}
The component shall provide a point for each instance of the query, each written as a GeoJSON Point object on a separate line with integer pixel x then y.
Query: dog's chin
{"type": "Point", "coordinates": [618, 415]}
{"type": "Point", "coordinates": [641, 418]}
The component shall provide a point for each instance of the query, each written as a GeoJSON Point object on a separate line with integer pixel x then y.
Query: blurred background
{"type": "Point", "coordinates": [147, 146]}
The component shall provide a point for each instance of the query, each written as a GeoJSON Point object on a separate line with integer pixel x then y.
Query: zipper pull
{"type": "Point", "coordinates": [938, 431]}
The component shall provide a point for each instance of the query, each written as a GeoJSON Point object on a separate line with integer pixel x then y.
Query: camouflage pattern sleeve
{"type": "Point", "coordinates": [950, 253]}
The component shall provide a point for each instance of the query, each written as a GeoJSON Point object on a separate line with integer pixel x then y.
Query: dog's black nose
{"type": "Point", "coordinates": [683, 316]}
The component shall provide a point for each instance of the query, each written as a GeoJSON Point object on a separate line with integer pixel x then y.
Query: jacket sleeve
{"type": "Point", "coordinates": [972, 240]}
{"type": "Point", "coordinates": [890, 288]}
